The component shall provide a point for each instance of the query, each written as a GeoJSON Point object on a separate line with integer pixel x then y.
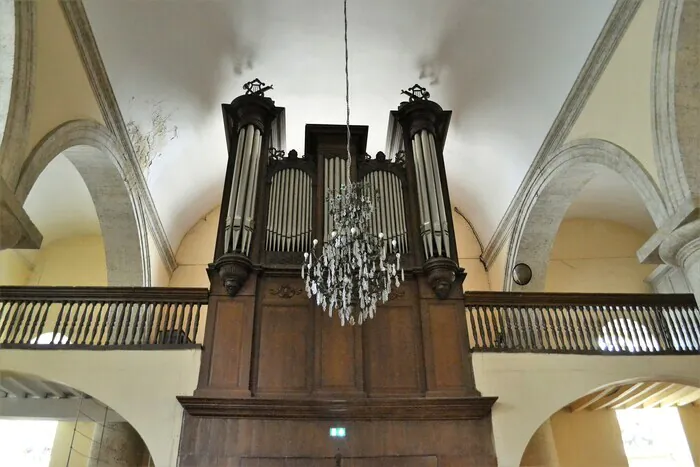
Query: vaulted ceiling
{"type": "Point", "coordinates": [504, 68]}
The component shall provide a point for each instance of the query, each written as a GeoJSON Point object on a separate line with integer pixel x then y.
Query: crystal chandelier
{"type": "Point", "coordinates": [354, 270]}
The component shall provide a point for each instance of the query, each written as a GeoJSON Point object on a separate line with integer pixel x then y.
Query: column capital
{"type": "Point", "coordinates": [680, 246]}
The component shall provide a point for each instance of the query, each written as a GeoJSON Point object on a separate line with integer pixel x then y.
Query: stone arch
{"type": "Point", "coordinates": [553, 190]}
{"type": "Point", "coordinates": [100, 161]}
{"type": "Point", "coordinates": [531, 387]}
{"type": "Point", "coordinates": [146, 399]}
{"type": "Point", "coordinates": [18, 74]}
{"type": "Point", "coordinates": [675, 102]}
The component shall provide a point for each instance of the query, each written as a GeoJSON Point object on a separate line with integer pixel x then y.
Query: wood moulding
{"type": "Point", "coordinates": [462, 408]}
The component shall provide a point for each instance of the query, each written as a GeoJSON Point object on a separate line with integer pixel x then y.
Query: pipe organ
{"type": "Point", "coordinates": [290, 206]}
{"type": "Point", "coordinates": [274, 366]}
{"type": "Point", "coordinates": [336, 172]}
{"type": "Point", "coordinates": [387, 182]}
{"type": "Point", "coordinates": [241, 210]}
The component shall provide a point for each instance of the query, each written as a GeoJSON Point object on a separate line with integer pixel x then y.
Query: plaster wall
{"type": "Point", "coordinates": [690, 418]}
{"type": "Point", "coordinates": [619, 109]}
{"type": "Point", "coordinates": [597, 256]}
{"type": "Point", "coordinates": [195, 252]}
{"type": "Point", "coordinates": [541, 451]}
{"type": "Point", "coordinates": [14, 269]}
{"type": "Point", "coordinates": [62, 90]}
{"type": "Point", "coordinates": [61, 455]}
{"type": "Point", "coordinates": [72, 261]}
{"type": "Point", "coordinates": [141, 386]}
{"type": "Point", "coordinates": [468, 254]}
{"type": "Point", "coordinates": [587, 438]}
{"type": "Point", "coordinates": [532, 387]}
{"type": "Point", "coordinates": [497, 269]}
{"type": "Point", "coordinates": [159, 272]}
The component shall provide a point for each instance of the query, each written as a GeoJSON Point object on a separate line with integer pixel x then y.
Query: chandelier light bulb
{"type": "Point", "coordinates": [352, 273]}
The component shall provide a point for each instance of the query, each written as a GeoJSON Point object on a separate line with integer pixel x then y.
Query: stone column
{"type": "Point", "coordinates": [681, 248]}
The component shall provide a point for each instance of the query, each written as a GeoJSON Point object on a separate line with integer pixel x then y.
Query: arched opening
{"type": "Point", "coordinates": [594, 172]}
{"type": "Point", "coordinates": [639, 423]}
{"type": "Point", "coordinates": [595, 248]}
{"type": "Point", "coordinates": [44, 423]}
{"type": "Point", "coordinates": [98, 203]}
{"type": "Point", "coordinates": [73, 251]}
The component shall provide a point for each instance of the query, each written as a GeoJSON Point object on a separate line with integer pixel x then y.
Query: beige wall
{"type": "Point", "coordinates": [14, 269]}
{"type": "Point", "coordinates": [532, 387]}
{"type": "Point", "coordinates": [690, 417]}
{"type": "Point", "coordinates": [61, 455]}
{"type": "Point", "coordinates": [159, 272]}
{"type": "Point", "coordinates": [619, 109]}
{"type": "Point", "coordinates": [594, 255]}
{"type": "Point", "coordinates": [73, 261]}
{"type": "Point", "coordinates": [588, 438]}
{"type": "Point", "coordinates": [541, 451]}
{"type": "Point", "coordinates": [141, 386]}
{"type": "Point", "coordinates": [468, 254]}
{"type": "Point", "coordinates": [497, 270]}
{"type": "Point", "coordinates": [62, 90]}
{"type": "Point", "coordinates": [195, 252]}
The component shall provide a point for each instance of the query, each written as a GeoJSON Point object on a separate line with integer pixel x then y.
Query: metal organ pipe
{"type": "Point", "coordinates": [434, 230]}
{"type": "Point", "coordinates": [388, 217]}
{"type": "Point", "coordinates": [289, 225]}
{"type": "Point", "coordinates": [336, 174]}
{"type": "Point", "coordinates": [241, 207]}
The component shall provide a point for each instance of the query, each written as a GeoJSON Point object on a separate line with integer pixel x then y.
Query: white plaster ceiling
{"type": "Point", "coordinates": [60, 204]}
{"type": "Point", "coordinates": [504, 67]}
{"type": "Point", "coordinates": [595, 201]}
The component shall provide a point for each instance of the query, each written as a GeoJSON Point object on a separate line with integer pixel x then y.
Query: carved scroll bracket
{"type": "Point", "coordinates": [233, 269]}
{"type": "Point", "coordinates": [442, 274]}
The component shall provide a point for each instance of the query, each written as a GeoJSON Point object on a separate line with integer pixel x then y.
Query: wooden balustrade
{"type": "Point", "coordinates": [600, 324]}
{"type": "Point", "coordinates": [100, 317]}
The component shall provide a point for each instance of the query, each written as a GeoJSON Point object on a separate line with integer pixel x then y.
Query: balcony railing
{"type": "Point", "coordinates": [589, 324]}
{"type": "Point", "coordinates": [137, 318]}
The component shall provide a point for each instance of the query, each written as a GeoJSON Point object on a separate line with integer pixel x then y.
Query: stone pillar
{"type": "Point", "coordinates": [117, 444]}
{"type": "Point", "coordinates": [681, 248]}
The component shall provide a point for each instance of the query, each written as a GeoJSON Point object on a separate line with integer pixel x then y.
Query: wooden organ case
{"type": "Point", "coordinates": [277, 373]}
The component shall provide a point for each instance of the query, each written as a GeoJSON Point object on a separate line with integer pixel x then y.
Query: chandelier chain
{"type": "Point", "coordinates": [347, 81]}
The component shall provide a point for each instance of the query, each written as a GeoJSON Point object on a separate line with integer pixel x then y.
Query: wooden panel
{"type": "Point", "coordinates": [445, 349]}
{"type": "Point", "coordinates": [233, 442]}
{"type": "Point", "coordinates": [298, 462]}
{"type": "Point", "coordinates": [338, 357]}
{"type": "Point", "coordinates": [391, 461]}
{"type": "Point", "coordinates": [393, 352]}
{"type": "Point", "coordinates": [230, 354]}
{"type": "Point", "coordinates": [285, 356]}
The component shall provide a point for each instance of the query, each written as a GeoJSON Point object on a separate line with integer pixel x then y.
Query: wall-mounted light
{"type": "Point", "coordinates": [522, 274]}
{"type": "Point", "coordinates": [337, 432]}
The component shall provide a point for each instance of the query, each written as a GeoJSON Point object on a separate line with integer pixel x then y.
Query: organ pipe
{"type": "Point", "coordinates": [389, 214]}
{"type": "Point", "coordinates": [241, 206]}
{"type": "Point", "coordinates": [289, 211]}
{"type": "Point", "coordinates": [434, 223]}
{"type": "Point", "coordinates": [336, 174]}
